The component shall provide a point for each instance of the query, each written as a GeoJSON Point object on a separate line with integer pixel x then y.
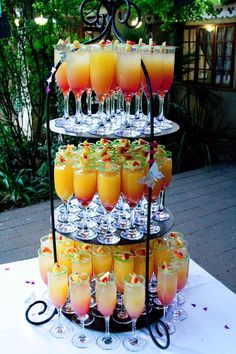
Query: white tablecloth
{"type": "Point", "coordinates": [209, 329]}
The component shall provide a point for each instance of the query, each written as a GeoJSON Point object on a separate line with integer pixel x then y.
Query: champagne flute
{"type": "Point", "coordinates": [77, 69]}
{"type": "Point", "coordinates": [85, 185]}
{"type": "Point", "coordinates": [106, 303]}
{"type": "Point", "coordinates": [58, 292]}
{"type": "Point", "coordinates": [108, 188]}
{"type": "Point", "coordinates": [182, 266]}
{"type": "Point", "coordinates": [134, 300]}
{"type": "Point", "coordinates": [102, 68]}
{"type": "Point", "coordinates": [123, 266]}
{"type": "Point", "coordinates": [166, 289]}
{"type": "Point", "coordinates": [166, 72]}
{"type": "Point", "coordinates": [166, 169]}
{"type": "Point", "coordinates": [63, 179]}
{"type": "Point", "coordinates": [128, 77]}
{"type": "Point", "coordinates": [80, 300]}
{"type": "Point", "coordinates": [132, 189]}
{"type": "Point", "coordinates": [62, 82]}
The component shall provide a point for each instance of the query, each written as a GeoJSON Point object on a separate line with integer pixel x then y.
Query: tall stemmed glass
{"type": "Point", "coordinates": [63, 180]}
{"type": "Point", "coordinates": [106, 303]}
{"type": "Point", "coordinates": [128, 77]}
{"type": "Point", "coordinates": [132, 190]}
{"type": "Point", "coordinates": [151, 60]}
{"type": "Point", "coordinates": [166, 169]}
{"type": "Point", "coordinates": [166, 72]}
{"type": "Point", "coordinates": [108, 187]}
{"type": "Point", "coordinates": [166, 289]}
{"type": "Point", "coordinates": [85, 186]}
{"type": "Point", "coordinates": [80, 300]}
{"type": "Point", "coordinates": [182, 266]}
{"type": "Point", "coordinates": [102, 68]}
{"type": "Point", "coordinates": [134, 300]}
{"type": "Point", "coordinates": [123, 266]}
{"type": "Point", "coordinates": [58, 292]}
{"type": "Point", "coordinates": [62, 82]}
{"type": "Point", "coordinates": [77, 70]}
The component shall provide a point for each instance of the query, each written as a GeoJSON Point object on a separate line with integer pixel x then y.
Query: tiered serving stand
{"type": "Point", "coordinates": [105, 23]}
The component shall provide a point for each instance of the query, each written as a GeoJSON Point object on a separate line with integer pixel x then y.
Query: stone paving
{"type": "Point", "coordinates": [204, 208]}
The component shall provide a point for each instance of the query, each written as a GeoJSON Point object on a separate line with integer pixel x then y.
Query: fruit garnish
{"type": "Point", "coordinates": [173, 235]}
{"type": "Point", "coordinates": [178, 254]}
{"type": "Point", "coordinates": [105, 277]}
{"type": "Point", "coordinates": [142, 142]}
{"type": "Point", "coordinates": [60, 158]}
{"type": "Point", "coordinates": [106, 158]}
{"type": "Point", "coordinates": [125, 256]}
{"type": "Point", "coordinates": [130, 42]}
{"type": "Point", "coordinates": [104, 141]}
{"type": "Point", "coordinates": [164, 266]}
{"type": "Point", "coordinates": [179, 243]}
{"type": "Point", "coordinates": [136, 163]}
{"type": "Point", "coordinates": [100, 249]}
{"type": "Point", "coordinates": [141, 252]}
{"type": "Point", "coordinates": [77, 256]}
{"type": "Point", "coordinates": [134, 279]}
{"type": "Point", "coordinates": [75, 277]}
{"type": "Point", "coordinates": [50, 236]}
{"type": "Point", "coordinates": [46, 250]}
{"type": "Point", "coordinates": [76, 44]}
{"type": "Point", "coordinates": [56, 268]}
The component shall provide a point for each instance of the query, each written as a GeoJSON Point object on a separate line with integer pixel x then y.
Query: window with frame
{"type": "Point", "coordinates": [209, 55]}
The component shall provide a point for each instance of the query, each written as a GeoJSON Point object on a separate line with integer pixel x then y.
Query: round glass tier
{"type": "Point", "coordinates": [165, 227]}
{"type": "Point", "coordinates": [53, 128]}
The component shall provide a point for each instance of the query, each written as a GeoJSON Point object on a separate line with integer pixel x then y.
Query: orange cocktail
{"type": "Point", "coordinates": [123, 266]}
{"type": "Point", "coordinates": [166, 289]}
{"type": "Point", "coordinates": [85, 185]}
{"type": "Point", "coordinates": [63, 180]}
{"type": "Point", "coordinates": [102, 259]}
{"type": "Point", "coordinates": [132, 189]}
{"type": "Point", "coordinates": [108, 187]}
{"type": "Point", "coordinates": [166, 169]}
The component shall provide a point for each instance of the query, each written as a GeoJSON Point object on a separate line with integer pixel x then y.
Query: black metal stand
{"type": "Point", "coordinates": [105, 23]}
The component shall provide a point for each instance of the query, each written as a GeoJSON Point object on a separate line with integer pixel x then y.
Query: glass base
{"type": "Point", "coordinates": [161, 216]}
{"type": "Point", "coordinates": [108, 238]}
{"type": "Point", "coordinates": [66, 228]}
{"type": "Point", "coordinates": [61, 331]}
{"type": "Point", "coordinates": [179, 315]}
{"type": "Point", "coordinates": [127, 132]}
{"type": "Point", "coordinates": [83, 340]}
{"type": "Point", "coordinates": [85, 234]}
{"type": "Point", "coordinates": [62, 217]}
{"type": "Point", "coordinates": [134, 344]}
{"type": "Point", "coordinates": [147, 130]}
{"type": "Point", "coordinates": [89, 318]}
{"type": "Point", "coordinates": [108, 342]}
{"type": "Point", "coordinates": [132, 234]}
{"type": "Point", "coordinates": [180, 299]}
{"type": "Point", "coordinates": [170, 327]}
{"type": "Point", "coordinates": [154, 229]}
{"type": "Point", "coordinates": [90, 224]}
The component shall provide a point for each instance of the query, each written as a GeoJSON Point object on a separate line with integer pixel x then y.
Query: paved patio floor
{"type": "Point", "coordinates": [204, 208]}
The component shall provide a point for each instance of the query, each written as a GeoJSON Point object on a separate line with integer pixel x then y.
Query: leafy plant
{"type": "Point", "coordinates": [203, 129]}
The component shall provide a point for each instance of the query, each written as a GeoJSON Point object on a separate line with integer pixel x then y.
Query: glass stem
{"type": "Point", "coordinates": [78, 113]}
{"type": "Point", "coordinates": [85, 218]}
{"type": "Point", "coordinates": [89, 103]}
{"type": "Point", "coordinates": [134, 335]}
{"type": "Point", "coordinates": [137, 104]}
{"type": "Point", "coordinates": [161, 108]}
{"type": "Point", "coordinates": [82, 324]}
{"type": "Point", "coordinates": [66, 205]}
{"type": "Point", "coordinates": [127, 116]}
{"type": "Point", "coordinates": [66, 105]}
{"type": "Point", "coordinates": [132, 218]}
{"type": "Point", "coordinates": [164, 313]}
{"type": "Point", "coordinates": [113, 105]}
{"type": "Point", "coordinates": [100, 113]}
{"type": "Point", "coordinates": [162, 200]}
{"type": "Point", "coordinates": [108, 108]}
{"type": "Point", "coordinates": [107, 327]}
{"type": "Point", "coordinates": [59, 317]}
